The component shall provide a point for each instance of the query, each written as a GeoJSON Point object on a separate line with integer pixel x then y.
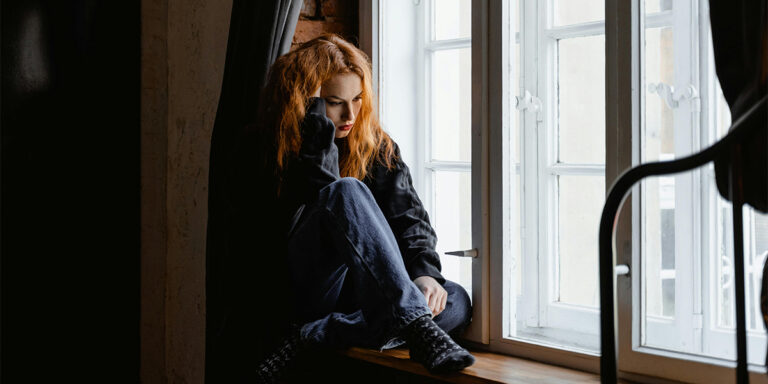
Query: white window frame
{"type": "Point", "coordinates": [492, 28]}
{"type": "Point", "coordinates": [694, 212]}
{"type": "Point", "coordinates": [539, 47]}
{"type": "Point", "coordinates": [491, 110]}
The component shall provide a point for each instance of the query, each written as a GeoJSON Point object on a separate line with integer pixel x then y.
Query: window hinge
{"type": "Point", "coordinates": [466, 253]}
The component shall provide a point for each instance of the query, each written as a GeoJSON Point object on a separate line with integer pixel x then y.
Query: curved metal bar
{"type": "Point", "coordinates": [614, 201]}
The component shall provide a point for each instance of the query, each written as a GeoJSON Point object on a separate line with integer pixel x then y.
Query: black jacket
{"type": "Point", "coordinates": [318, 165]}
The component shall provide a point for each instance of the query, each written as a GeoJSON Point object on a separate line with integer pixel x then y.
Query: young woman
{"type": "Point", "coordinates": [359, 246]}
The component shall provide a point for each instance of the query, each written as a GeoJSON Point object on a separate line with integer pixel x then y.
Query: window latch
{"type": "Point", "coordinates": [530, 103]}
{"type": "Point", "coordinates": [467, 253]}
{"type": "Point", "coordinates": [673, 96]}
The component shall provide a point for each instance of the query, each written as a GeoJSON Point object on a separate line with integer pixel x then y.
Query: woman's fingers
{"type": "Point", "coordinates": [443, 301]}
{"type": "Point", "coordinates": [434, 302]}
{"type": "Point", "coordinates": [435, 295]}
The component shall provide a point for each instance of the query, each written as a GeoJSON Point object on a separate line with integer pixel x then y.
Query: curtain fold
{"type": "Point", "coordinates": [740, 43]}
{"type": "Point", "coordinates": [260, 31]}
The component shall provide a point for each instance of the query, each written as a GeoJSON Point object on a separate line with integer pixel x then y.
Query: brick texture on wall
{"type": "Point", "coordinates": [335, 16]}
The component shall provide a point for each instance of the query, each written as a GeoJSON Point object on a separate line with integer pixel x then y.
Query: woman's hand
{"type": "Point", "coordinates": [317, 92]}
{"type": "Point", "coordinates": [435, 294]}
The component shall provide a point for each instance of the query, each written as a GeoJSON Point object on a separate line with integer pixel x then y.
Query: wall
{"type": "Point", "coordinates": [335, 16]}
{"type": "Point", "coordinates": [182, 63]}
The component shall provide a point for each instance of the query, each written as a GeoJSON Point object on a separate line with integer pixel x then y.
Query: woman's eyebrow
{"type": "Point", "coordinates": [337, 97]}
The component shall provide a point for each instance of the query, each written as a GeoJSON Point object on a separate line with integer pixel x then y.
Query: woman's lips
{"type": "Point", "coordinates": [346, 127]}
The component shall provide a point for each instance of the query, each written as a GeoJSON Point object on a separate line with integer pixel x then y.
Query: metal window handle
{"type": "Point", "coordinates": [467, 253]}
{"type": "Point", "coordinates": [673, 96]}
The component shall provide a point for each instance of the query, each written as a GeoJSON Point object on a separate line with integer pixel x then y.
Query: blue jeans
{"type": "Point", "coordinates": [352, 288]}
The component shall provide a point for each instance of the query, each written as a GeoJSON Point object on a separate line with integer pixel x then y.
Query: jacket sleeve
{"type": "Point", "coordinates": [394, 192]}
{"type": "Point", "coordinates": [317, 164]}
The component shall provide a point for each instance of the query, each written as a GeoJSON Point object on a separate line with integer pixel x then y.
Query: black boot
{"type": "Point", "coordinates": [273, 366]}
{"type": "Point", "coordinates": [433, 348]}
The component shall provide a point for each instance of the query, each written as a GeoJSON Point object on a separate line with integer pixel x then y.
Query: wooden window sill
{"type": "Point", "coordinates": [488, 368]}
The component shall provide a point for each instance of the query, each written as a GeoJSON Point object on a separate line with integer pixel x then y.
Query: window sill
{"type": "Point", "coordinates": [488, 368]}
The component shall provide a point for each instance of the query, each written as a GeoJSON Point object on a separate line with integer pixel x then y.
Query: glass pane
{"type": "Point", "coordinates": [451, 105]}
{"type": "Point", "coordinates": [580, 204]}
{"type": "Point", "coordinates": [722, 114]}
{"type": "Point", "coordinates": [755, 253]}
{"type": "Point", "coordinates": [758, 251]}
{"type": "Point", "coordinates": [660, 326]}
{"type": "Point", "coordinates": [578, 11]}
{"type": "Point", "coordinates": [452, 19]}
{"type": "Point", "coordinates": [581, 100]}
{"type": "Point", "coordinates": [515, 81]}
{"type": "Point", "coordinates": [659, 139]}
{"type": "Point", "coordinates": [660, 329]}
{"type": "Point", "coordinates": [516, 238]}
{"type": "Point", "coordinates": [452, 220]}
{"type": "Point", "coordinates": [659, 246]}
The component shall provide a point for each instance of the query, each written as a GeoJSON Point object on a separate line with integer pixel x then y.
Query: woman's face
{"type": "Point", "coordinates": [343, 98]}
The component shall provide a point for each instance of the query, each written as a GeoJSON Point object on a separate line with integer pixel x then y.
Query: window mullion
{"type": "Point", "coordinates": [529, 310]}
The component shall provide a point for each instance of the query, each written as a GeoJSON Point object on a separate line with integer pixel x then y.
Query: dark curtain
{"type": "Point", "coordinates": [740, 42]}
{"type": "Point", "coordinates": [243, 319]}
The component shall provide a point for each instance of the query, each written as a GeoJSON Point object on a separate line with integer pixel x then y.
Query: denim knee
{"type": "Point", "coordinates": [458, 310]}
{"type": "Point", "coordinates": [345, 186]}
{"type": "Point", "coordinates": [345, 191]}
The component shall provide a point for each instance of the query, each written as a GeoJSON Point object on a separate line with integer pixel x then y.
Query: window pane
{"type": "Point", "coordinates": [452, 19]}
{"type": "Point", "coordinates": [581, 100]}
{"type": "Point", "coordinates": [659, 139]}
{"type": "Point", "coordinates": [579, 207]}
{"type": "Point", "coordinates": [722, 115]}
{"type": "Point", "coordinates": [453, 224]}
{"type": "Point", "coordinates": [451, 105]}
{"type": "Point", "coordinates": [515, 81]}
{"type": "Point", "coordinates": [659, 246]}
{"type": "Point", "coordinates": [755, 253]}
{"type": "Point", "coordinates": [578, 11]}
{"type": "Point", "coordinates": [516, 238]}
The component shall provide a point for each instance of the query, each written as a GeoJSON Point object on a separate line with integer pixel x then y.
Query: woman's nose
{"type": "Point", "coordinates": [348, 113]}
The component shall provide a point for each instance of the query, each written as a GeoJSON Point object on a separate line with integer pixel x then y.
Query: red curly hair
{"type": "Point", "coordinates": [291, 81]}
